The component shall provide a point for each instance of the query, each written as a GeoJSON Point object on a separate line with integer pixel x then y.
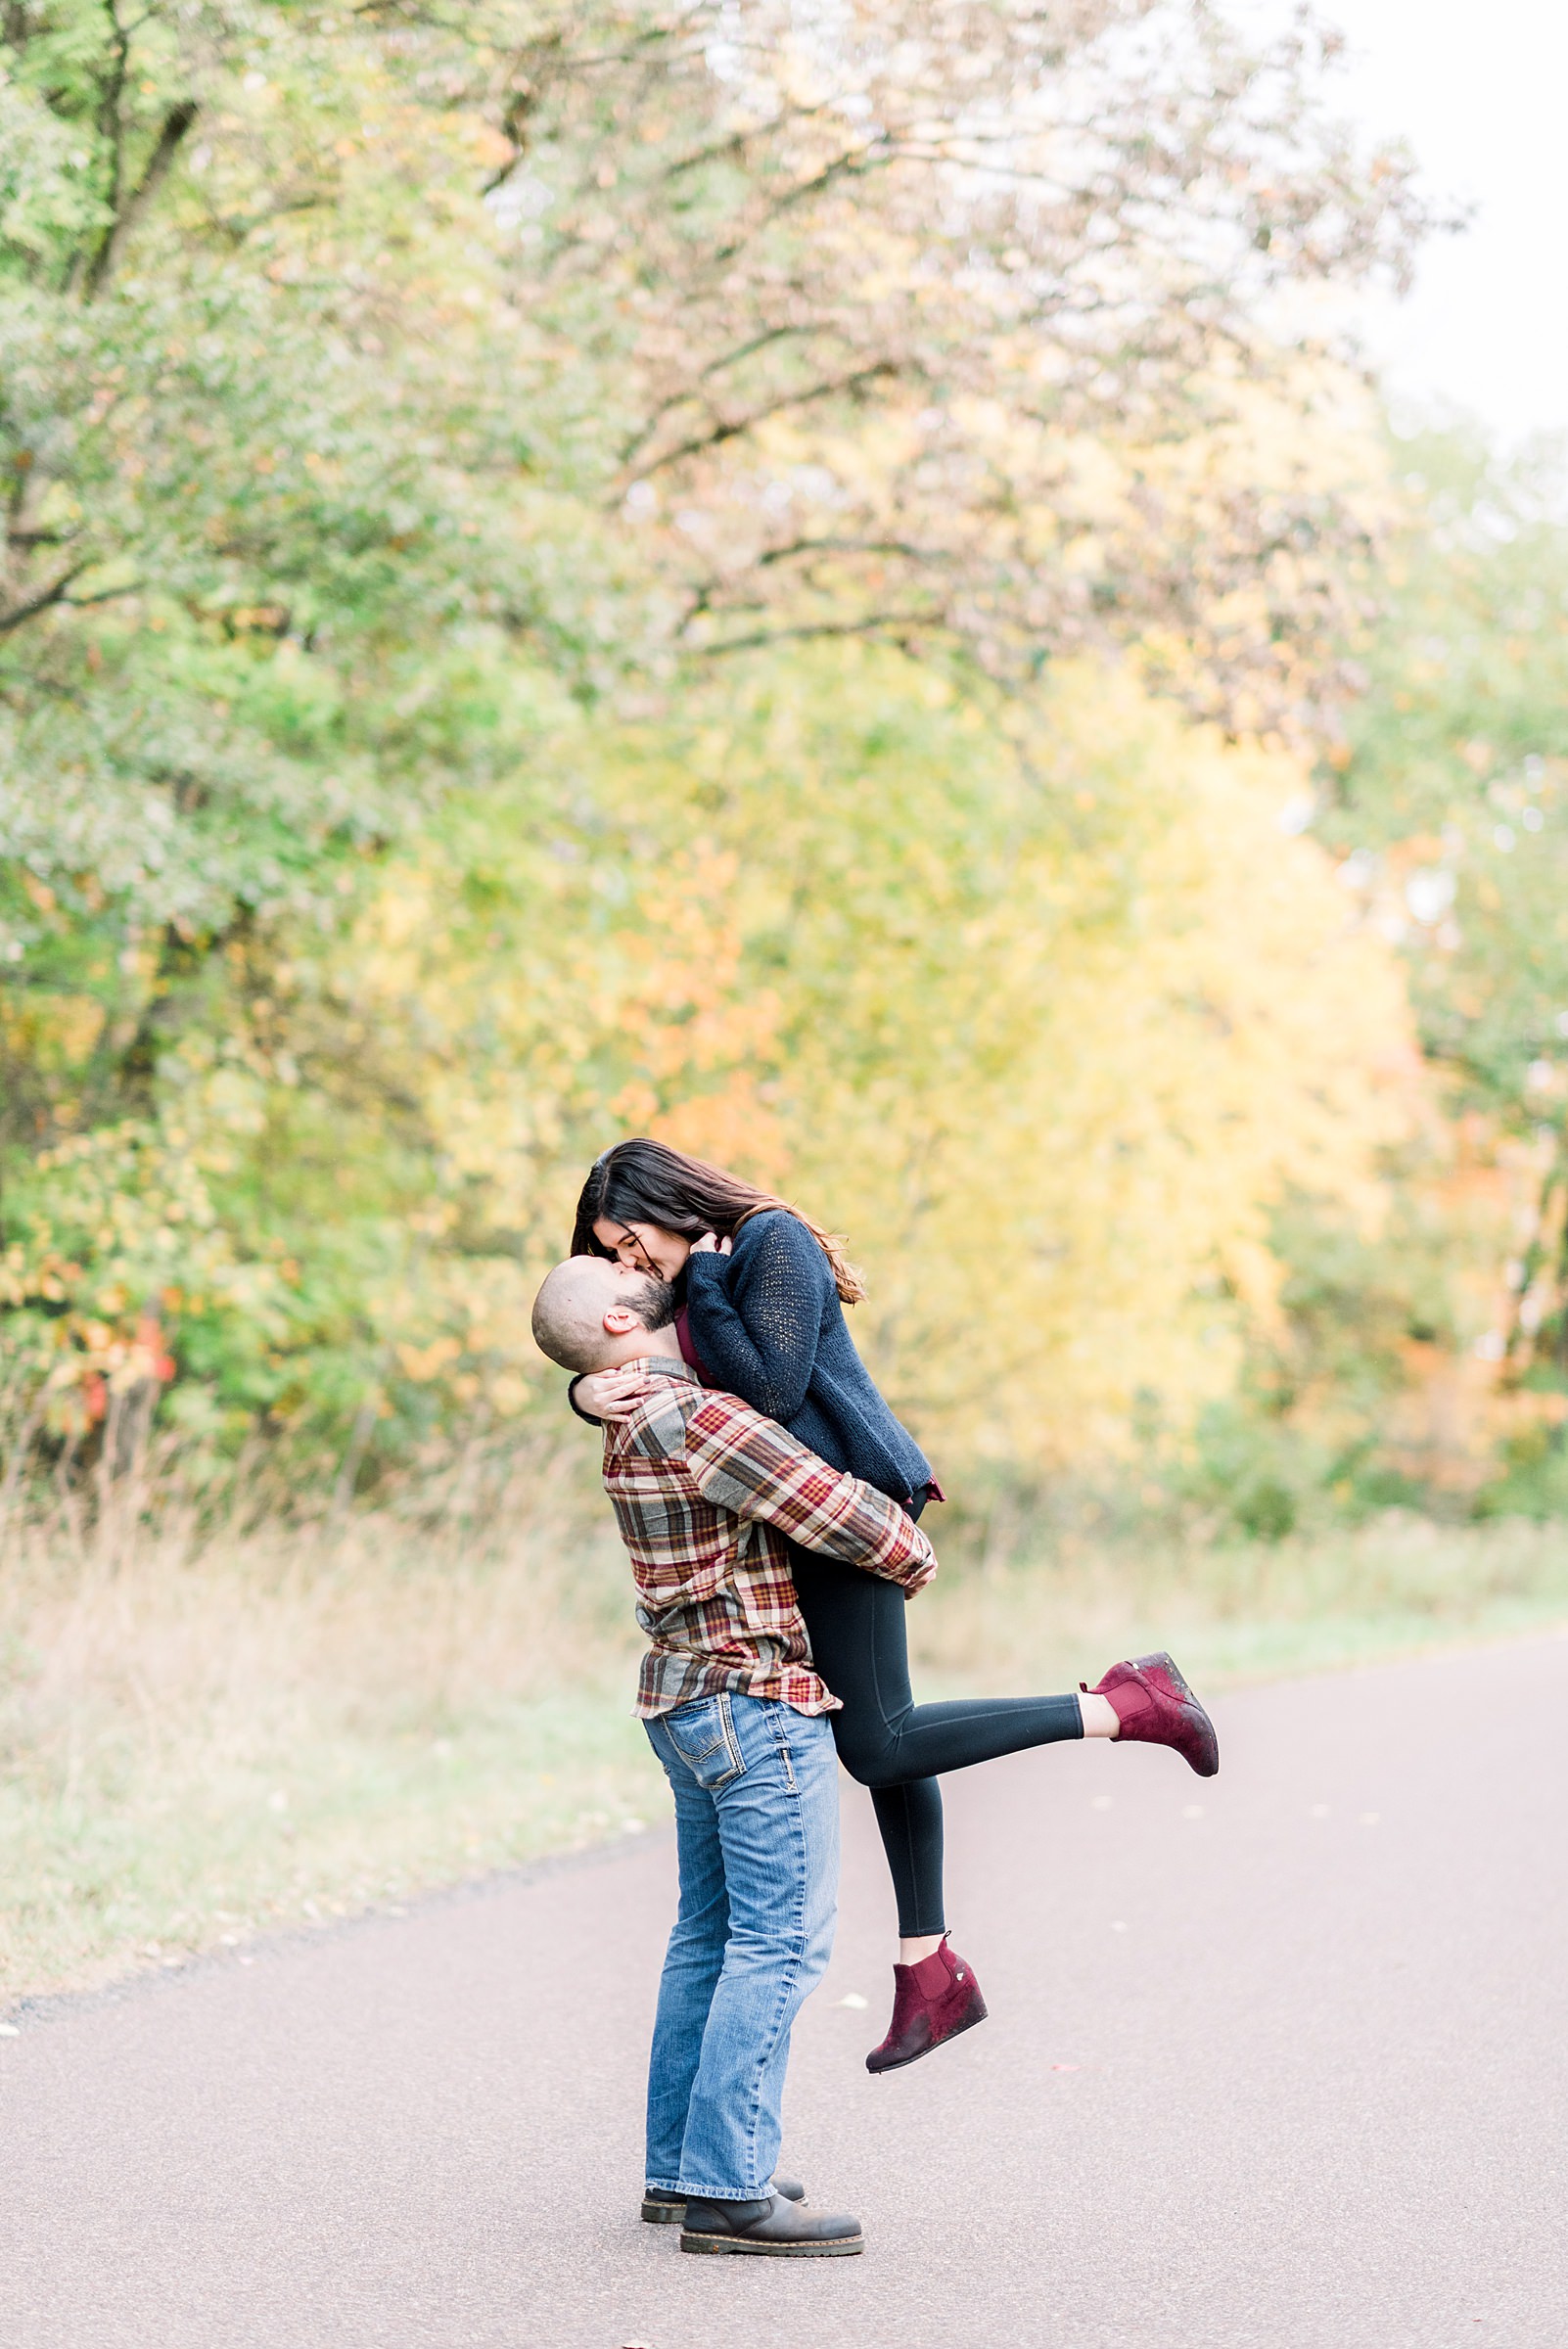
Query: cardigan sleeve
{"type": "Point", "coordinates": [756, 1316]}
{"type": "Point", "coordinates": [572, 1397]}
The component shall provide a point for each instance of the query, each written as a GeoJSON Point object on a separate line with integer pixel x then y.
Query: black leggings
{"type": "Point", "coordinates": [892, 1744]}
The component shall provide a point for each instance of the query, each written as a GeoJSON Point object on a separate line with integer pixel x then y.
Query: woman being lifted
{"type": "Point", "coordinates": [761, 1293]}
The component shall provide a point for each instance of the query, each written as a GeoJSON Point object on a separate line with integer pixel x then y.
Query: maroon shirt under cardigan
{"type": "Point", "coordinates": [688, 1350]}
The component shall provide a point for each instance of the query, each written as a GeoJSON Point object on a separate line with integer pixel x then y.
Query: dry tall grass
{"type": "Point", "coordinates": [1035, 1618]}
{"type": "Point", "coordinates": [202, 1737]}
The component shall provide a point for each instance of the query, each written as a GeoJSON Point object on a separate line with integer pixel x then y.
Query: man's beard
{"type": "Point", "coordinates": [654, 1304]}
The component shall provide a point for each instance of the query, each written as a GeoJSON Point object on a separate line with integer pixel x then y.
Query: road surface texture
{"type": "Point", "coordinates": [1277, 2058]}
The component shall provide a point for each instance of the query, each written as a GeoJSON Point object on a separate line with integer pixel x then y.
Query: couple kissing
{"type": "Point", "coordinates": [770, 1505]}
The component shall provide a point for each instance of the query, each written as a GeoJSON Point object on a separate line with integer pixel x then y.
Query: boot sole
{"type": "Point", "coordinates": [1208, 1767]}
{"type": "Point", "coordinates": [728, 2246]}
{"type": "Point", "coordinates": [903, 2062]}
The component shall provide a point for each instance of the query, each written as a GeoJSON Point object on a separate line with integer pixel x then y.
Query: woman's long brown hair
{"type": "Point", "coordinates": [644, 1181]}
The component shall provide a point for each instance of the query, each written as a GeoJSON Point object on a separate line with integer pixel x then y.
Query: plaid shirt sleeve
{"type": "Point", "coordinates": [751, 1466]}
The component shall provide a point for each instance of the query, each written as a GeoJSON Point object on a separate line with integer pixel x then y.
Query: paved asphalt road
{"type": "Point", "coordinates": [1282, 2059]}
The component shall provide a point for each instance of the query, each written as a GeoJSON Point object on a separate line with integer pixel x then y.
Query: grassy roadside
{"type": "Point", "coordinates": [1243, 1612]}
{"type": "Point", "coordinates": [286, 1730]}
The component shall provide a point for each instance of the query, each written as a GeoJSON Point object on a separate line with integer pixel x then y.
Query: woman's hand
{"type": "Point", "coordinates": [709, 1245]}
{"type": "Point", "coordinates": [611, 1394]}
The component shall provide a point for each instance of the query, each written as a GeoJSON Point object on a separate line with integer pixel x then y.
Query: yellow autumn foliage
{"type": "Point", "coordinates": [1038, 1003]}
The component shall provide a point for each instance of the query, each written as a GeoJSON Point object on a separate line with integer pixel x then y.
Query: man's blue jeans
{"type": "Point", "coordinates": [757, 1822]}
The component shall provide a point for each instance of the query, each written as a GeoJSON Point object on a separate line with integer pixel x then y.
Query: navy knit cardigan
{"type": "Point", "coordinates": [768, 1327]}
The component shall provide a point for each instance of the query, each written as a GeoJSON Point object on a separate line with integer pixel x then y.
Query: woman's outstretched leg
{"type": "Point", "coordinates": [885, 1738]}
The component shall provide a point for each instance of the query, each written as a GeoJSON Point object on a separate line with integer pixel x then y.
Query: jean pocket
{"type": "Point", "coordinates": [703, 1738]}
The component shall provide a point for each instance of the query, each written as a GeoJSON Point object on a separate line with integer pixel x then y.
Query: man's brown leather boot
{"type": "Point", "coordinates": [770, 2229]}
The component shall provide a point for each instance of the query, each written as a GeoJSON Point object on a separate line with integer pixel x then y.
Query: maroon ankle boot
{"type": "Point", "coordinates": [932, 2001]}
{"type": "Point", "coordinates": [1155, 1707]}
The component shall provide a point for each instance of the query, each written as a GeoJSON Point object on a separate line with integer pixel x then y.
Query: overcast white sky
{"type": "Point", "coordinates": [1480, 90]}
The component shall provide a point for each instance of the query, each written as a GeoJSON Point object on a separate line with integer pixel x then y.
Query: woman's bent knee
{"type": "Point", "coordinates": [871, 1761]}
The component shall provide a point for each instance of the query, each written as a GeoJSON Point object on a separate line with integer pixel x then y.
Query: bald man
{"type": "Point", "coordinates": [707, 1493]}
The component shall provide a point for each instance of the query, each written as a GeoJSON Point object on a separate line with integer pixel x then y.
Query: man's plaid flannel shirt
{"type": "Point", "coordinates": [704, 1489]}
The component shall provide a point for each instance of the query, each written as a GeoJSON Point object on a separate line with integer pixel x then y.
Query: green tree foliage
{"type": "Point", "coordinates": [1449, 797]}
{"type": "Point", "coordinates": [421, 432]}
{"type": "Point", "coordinates": [1448, 789]}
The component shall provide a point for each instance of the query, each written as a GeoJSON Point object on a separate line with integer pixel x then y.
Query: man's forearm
{"type": "Point", "coordinates": [754, 1468]}
{"type": "Point", "coordinates": [880, 1539]}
